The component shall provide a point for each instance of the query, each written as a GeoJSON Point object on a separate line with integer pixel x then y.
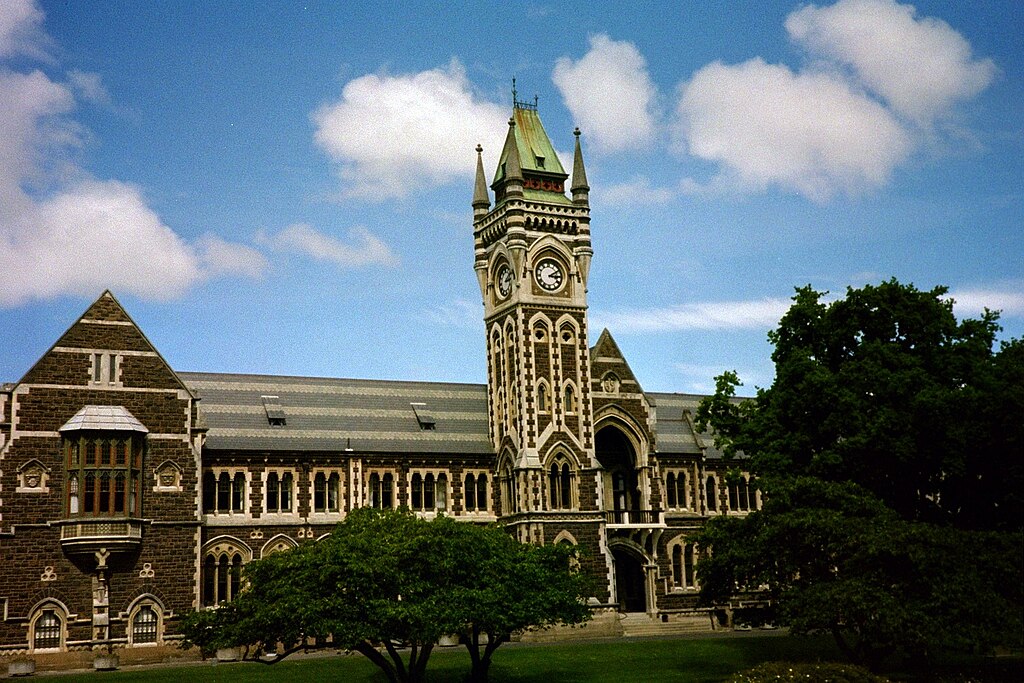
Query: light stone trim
{"type": "Point", "coordinates": [94, 321]}
{"type": "Point", "coordinates": [25, 388]}
{"type": "Point", "coordinates": [119, 352]}
{"type": "Point", "coordinates": [339, 433]}
{"type": "Point", "coordinates": [340, 412]}
{"type": "Point", "coordinates": [338, 390]}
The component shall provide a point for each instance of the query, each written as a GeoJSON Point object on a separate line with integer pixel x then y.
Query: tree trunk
{"type": "Point", "coordinates": [482, 664]}
{"type": "Point", "coordinates": [371, 653]}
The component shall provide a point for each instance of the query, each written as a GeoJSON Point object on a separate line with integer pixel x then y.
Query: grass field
{"type": "Point", "coordinates": [684, 660]}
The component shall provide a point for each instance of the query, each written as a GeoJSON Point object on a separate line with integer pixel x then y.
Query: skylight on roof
{"type": "Point", "coordinates": [275, 413]}
{"type": "Point", "coordinates": [424, 417]}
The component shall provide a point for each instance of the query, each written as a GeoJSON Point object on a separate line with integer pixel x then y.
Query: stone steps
{"type": "Point", "coordinates": [641, 625]}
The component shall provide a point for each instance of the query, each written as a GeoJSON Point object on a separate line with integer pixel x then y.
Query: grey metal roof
{"type": "Point", "coordinates": [323, 414]}
{"type": "Point", "coordinates": [383, 416]}
{"type": "Point", "coordinates": [109, 418]}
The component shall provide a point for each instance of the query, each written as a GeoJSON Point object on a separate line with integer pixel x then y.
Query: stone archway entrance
{"type": "Point", "coordinates": [630, 582]}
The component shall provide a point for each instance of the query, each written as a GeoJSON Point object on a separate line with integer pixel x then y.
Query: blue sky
{"type": "Point", "coordinates": [284, 188]}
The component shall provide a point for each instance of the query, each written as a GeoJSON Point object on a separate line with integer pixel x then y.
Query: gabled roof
{"type": "Point", "coordinates": [607, 348]}
{"type": "Point", "coordinates": [106, 309]}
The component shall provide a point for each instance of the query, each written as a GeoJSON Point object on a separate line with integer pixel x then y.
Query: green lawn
{"type": "Point", "coordinates": [684, 660]}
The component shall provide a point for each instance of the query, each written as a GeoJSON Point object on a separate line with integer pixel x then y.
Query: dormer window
{"type": "Point", "coordinates": [540, 161]}
{"type": "Point", "coordinates": [275, 413]}
{"type": "Point", "coordinates": [424, 417]}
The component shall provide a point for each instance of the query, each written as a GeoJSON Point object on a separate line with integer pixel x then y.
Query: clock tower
{"type": "Point", "coordinates": [532, 259]}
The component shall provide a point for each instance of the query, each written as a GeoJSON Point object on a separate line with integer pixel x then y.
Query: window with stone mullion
{"type": "Point", "coordinates": [103, 475]}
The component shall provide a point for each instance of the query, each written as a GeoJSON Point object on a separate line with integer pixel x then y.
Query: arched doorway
{"type": "Point", "coordinates": [630, 584]}
{"type": "Point", "coordinates": [618, 460]}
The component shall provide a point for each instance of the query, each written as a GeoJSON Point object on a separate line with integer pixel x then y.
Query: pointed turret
{"type": "Point", "coordinates": [508, 180]}
{"type": "Point", "coordinates": [580, 188]}
{"type": "Point", "coordinates": [481, 200]}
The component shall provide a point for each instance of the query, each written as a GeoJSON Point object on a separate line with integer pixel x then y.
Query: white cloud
{"type": "Point", "coordinates": [93, 236]}
{"type": "Point", "coordinates": [1007, 299]}
{"type": "Point", "coordinates": [363, 249]}
{"type": "Point", "coordinates": [89, 87]}
{"type": "Point", "coordinates": [637, 191]}
{"type": "Point", "coordinates": [218, 257]}
{"type": "Point", "coordinates": [724, 315]}
{"type": "Point", "coordinates": [881, 77]}
{"type": "Point", "coordinates": [805, 131]}
{"type": "Point", "coordinates": [702, 377]}
{"type": "Point", "coordinates": [396, 134]}
{"type": "Point", "coordinates": [21, 29]}
{"type": "Point", "coordinates": [63, 232]}
{"type": "Point", "coordinates": [609, 93]}
{"type": "Point", "coordinates": [920, 66]}
{"type": "Point", "coordinates": [460, 313]}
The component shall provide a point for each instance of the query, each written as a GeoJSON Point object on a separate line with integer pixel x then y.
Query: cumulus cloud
{"type": "Point", "coordinates": [62, 231]}
{"type": "Point", "coordinates": [89, 86]}
{"type": "Point", "coordinates": [723, 315]}
{"type": "Point", "coordinates": [219, 257]}
{"type": "Point", "coordinates": [920, 66]}
{"type": "Point", "coordinates": [609, 93]}
{"type": "Point", "coordinates": [1008, 299]}
{"type": "Point", "coordinates": [809, 131]}
{"type": "Point", "coordinates": [701, 378]}
{"type": "Point", "coordinates": [878, 77]}
{"type": "Point", "coordinates": [393, 135]}
{"type": "Point", "coordinates": [21, 29]}
{"type": "Point", "coordinates": [93, 236]}
{"type": "Point", "coordinates": [362, 249]}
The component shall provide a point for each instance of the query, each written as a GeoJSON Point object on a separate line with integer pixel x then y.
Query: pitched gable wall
{"type": "Point", "coordinates": [32, 518]}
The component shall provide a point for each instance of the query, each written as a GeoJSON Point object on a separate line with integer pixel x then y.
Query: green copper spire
{"type": "Point", "coordinates": [529, 158]}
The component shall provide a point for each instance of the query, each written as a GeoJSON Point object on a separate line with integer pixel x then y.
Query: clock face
{"type": "Point", "coordinates": [504, 281]}
{"type": "Point", "coordinates": [549, 274]}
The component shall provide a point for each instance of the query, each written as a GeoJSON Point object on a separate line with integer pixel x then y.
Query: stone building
{"type": "Point", "coordinates": [131, 492]}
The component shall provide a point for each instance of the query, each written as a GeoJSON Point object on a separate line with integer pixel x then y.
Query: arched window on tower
{"type": "Point", "coordinates": [560, 484]}
{"type": "Point", "coordinates": [569, 400]}
{"type": "Point", "coordinates": [507, 486]}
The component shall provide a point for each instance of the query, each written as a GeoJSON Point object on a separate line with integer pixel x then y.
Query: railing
{"type": "Point", "coordinates": [634, 518]}
{"type": "Point", "coordinates": [82, 530]}
{"type": "Point", "coordinates": [108, 536]}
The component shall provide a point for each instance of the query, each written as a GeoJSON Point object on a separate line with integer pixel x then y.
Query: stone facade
{"type": "Point", "coordinates": [130, 493]}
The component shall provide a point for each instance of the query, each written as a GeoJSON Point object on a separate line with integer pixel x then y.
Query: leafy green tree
{"type": "Point", "coordinates": [502, 587]}
{"type": "Point", "coordinates": [386, 582]}
{"type": "Point", "coordinates": [889, 450]}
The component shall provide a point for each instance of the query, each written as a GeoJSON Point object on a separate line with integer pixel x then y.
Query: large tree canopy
{"type": "Point", "coordinates": [890, 451]}
{"type": "Point", "coordinates": [388, 581]}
